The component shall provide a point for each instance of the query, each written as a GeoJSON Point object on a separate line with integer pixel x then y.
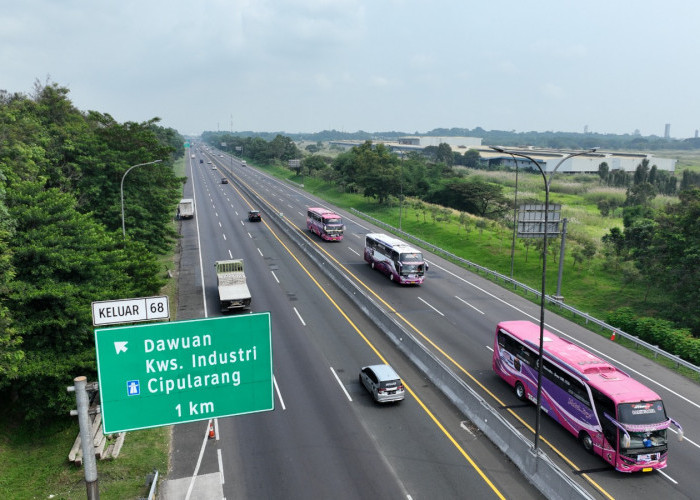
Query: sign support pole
{"type": "Point", "coordinates": [89, 462]}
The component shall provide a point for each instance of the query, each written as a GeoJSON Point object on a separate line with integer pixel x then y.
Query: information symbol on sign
{"type": "Point", "coordinates": [132, 388]}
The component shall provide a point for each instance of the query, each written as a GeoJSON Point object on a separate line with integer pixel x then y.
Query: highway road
{"type": "Point", "coordinates": [455, 313]}
{"type": "Point", "coordinates": [326, 438]}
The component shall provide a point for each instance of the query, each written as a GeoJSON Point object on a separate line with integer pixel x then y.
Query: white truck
{"type": "Point", "coordinates": [185, 209]}
{"type": "Point", "coordinates": [233, 290]}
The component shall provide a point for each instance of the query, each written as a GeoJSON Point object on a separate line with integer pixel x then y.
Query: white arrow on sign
{"type": "Point", "coordinates": [120, 346]}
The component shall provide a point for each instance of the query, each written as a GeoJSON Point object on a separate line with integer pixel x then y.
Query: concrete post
{"type": "Point", "coordinates": [89, 461]}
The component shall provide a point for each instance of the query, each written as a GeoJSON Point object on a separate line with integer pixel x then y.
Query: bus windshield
{"type": "Point", "coordinates": [645, 412]}
{"type": "Point", "coordinates": [333, 221]}
{"type": "Point", "coordinates": [411, 257]}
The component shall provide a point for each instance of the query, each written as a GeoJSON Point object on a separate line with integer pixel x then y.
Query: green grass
{"type": "Point", "coordinates": [591, 287]}
{"type": "Point", "coordinates": [34, 462]}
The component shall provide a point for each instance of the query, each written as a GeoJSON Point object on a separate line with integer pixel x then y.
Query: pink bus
{"type": "Point", "coordinates": [325, 223]}
{"type": "Point", "coordinates": [402, 263]}
{"type": "Point", "coordinates": [611, 414]}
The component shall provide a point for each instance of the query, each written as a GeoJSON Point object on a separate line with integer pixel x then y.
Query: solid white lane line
{"type": "Point", "coordinates": [199, 461]}
{"type": "Point", "coordinates": [221, 463]}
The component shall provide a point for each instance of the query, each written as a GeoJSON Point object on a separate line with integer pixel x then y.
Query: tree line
{"type": "Point", "coordinates": [549, 139]}
{"type": "Point", "coordinates": [61, 242]}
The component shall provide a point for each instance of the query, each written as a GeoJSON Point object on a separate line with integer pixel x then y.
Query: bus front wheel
{"type": "Point", "coordinates": [520, 391]}
{"type": "Point", "coordinates": [586, 442]}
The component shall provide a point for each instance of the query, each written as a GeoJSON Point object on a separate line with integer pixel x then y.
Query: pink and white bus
{"type": "Point", "coordinates": [325, 223]}
{"type": "Point", "coordinates": [611, 414]}
{"type": "Point", "coordinates": [402, 263]}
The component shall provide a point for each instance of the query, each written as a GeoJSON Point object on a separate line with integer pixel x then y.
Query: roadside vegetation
{"type": "Point", "coordinates": [633, 239]}
{"type": "Point", "coordinates": [61, 248]}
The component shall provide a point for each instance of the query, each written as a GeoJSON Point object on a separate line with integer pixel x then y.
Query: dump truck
{"type": "Point", "coordinates": [233, 289]}
{"type": "Point", "coordinates": [185, 209]}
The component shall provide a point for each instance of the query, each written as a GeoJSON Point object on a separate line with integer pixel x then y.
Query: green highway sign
{"type": "Point", "coordinates": [170, 373]}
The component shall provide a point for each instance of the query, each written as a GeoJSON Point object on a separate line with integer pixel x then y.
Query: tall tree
{"type": "Point", "coordinates": [378, 171]}
{"type": "Point", "coordinates": [11, 354]}
{"type": "Point", "coordinates": [64, 260]}
{"type": "Point", "coordinates": [671, 259]}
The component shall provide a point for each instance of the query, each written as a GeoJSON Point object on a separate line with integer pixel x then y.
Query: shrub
{"type": "Point", "coordinates": [659, 332]}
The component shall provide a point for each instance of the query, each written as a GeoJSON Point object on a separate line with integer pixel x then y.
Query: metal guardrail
{"type": "Point", "coordinates": [535, 466]}
{"type": "Point", "coordinates": [152, 482]}
{"type": "Point", "coordinates": [516, 284]}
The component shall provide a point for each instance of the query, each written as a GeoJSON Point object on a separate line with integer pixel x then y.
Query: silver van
{"type": "Point", "coordinates": [383, 383]}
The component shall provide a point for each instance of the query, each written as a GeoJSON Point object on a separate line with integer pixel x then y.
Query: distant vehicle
{"type": "Point", "coordinates": [243, 163]}
{"type": "Point", "coordinates": [221, 156]}
{"type": "Point", "coordinates": [610, 413]}
{"type": "Point", "coordinates": [395, 258]}
{"type": "Point", "coordinates": [209, 162]}
{"type": "Point", "coordinates": [254, 216]}
{"type": "Point", "coordinates": [192, 156]}
{"type": "Point", "coordinates": [224, 180]}
{"type": "Point", "coordinates": [185, 209]}
{"type": "Point", "coordinates": [213, 167]}
{"type": "Point", "coordinates": [233, 289]}
{"type": "Point", "coordinates": [383, 383]}
{"type": "Point", "coordinates": [325, 223]}
{"type": "Point", "coordinates": [201, 161]}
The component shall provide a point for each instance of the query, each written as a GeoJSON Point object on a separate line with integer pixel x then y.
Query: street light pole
{"type": "Point", "coordinates": [547, 183]}
{"type": "Point", "coordinates": [122, 190]}
{"type": "Point", "coordinates": [401, 193]}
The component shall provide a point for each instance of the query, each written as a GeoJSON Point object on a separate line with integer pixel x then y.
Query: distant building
{"type": "Point", "coordinates": [418, 143]}
{"type": "Point", "coordinates": [547, 158]}
{"type": "Point", "coordinates": [584, 164]}
{"type": "Point", "coordinates": [667, 131]}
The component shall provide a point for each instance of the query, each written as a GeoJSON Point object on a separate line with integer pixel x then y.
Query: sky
{"type": "Point", "coordinates": [303, 66]}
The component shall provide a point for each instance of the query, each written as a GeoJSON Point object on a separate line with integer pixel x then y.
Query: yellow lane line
{"type": "Point", "coordinates": [379, 355]}
{"type": "Point", "coordinates": [438, 348]}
